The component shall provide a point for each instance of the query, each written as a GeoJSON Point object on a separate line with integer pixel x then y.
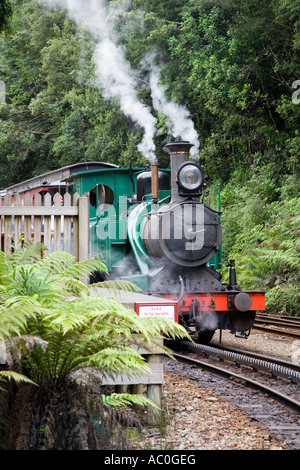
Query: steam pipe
{"type": "Point", "coordinates": [154, 183]}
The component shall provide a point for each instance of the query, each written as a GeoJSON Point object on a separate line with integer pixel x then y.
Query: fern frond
{"type": "Point", "coordinates": [117, 285]}
{"type": "Point", "coordinates": [57, 262]}
{"type": "Point", "coordinates": [119, 359]}
{"type": "Point", "coordinates": [11, 375]}
{"type": "Point", "coordinates": [72, 286]}
{"type": "Point", "coordinates": [45, 299]}
{"type": "Point", "coordinates": [29, 253]}
{"type": "Point", "coordinates": [166, 328]}
{"type": "Point", "coordinates": [85, 268]}
{"type": "Point", "coordinates": [122, 400]}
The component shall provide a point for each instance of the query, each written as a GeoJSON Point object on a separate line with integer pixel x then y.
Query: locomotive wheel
{"type": "Point", "coordinates": [204, 336]}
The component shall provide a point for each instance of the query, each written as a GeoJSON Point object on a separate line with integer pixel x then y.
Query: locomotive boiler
{"type": "Point", "coordinates": [153, 228]}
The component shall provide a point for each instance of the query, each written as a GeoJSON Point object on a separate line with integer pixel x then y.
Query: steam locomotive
{"type": "Point", "coordinates": [153, 228]}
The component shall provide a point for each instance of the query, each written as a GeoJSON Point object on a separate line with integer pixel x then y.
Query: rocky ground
{"type": "Point", "coordinates": [198, 420]}
{"type": "Point", "coordinates": [198, 417]}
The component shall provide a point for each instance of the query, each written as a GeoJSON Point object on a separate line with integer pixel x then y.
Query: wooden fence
{"type": "Point", "coordinates": [61, 223]}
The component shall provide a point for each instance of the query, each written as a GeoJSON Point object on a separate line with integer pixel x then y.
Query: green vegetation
{"type": "Point", "coordinates": [234, 64]}
{"type": "Point", "coordinates": [5, 16]}
{"type": "Point", "coordinates": [52, 327]}
{"type": "Point", "coordinates": [263, 238]}
{"type": "Point", "coordinates": [231, 63]}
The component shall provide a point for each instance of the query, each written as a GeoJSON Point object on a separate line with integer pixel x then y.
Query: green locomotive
{"type": "Point", "coordinates": [153, 228]}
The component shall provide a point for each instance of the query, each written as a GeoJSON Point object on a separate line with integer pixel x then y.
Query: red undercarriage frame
{"type": "Point", "coordinates": [218, 301]}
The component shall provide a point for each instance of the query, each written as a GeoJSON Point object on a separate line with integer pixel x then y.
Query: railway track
{"type": "Point", "coordinates": [279, 324]}
{"type": "Point", "coordinates": [274, 368]}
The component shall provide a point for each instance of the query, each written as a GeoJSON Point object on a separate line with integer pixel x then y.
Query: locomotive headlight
{"type": "Point", "coordinates": [190, 177]}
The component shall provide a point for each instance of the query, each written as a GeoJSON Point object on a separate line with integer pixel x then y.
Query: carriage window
{"type": "Point", "coordinates": [101, 196]}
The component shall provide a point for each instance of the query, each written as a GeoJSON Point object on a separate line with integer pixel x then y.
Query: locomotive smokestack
{"type": "Point", "coordinates": [179, 153]}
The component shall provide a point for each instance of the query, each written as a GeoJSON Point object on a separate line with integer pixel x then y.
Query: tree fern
{"type": "Point", "coordinates": [117, 285]}
{"type": "Point", "coordinates": [75, 329]}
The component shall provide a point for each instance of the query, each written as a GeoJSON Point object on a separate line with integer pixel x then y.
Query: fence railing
{"type": "Point", "coordinates": [61, 223]}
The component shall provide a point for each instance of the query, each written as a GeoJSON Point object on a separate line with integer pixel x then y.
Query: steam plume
{"type": "Point", "coordinates": [178, 117]}
{"type": "Point", "coordinates": [113, 73]}
{"type": "Point", "coordinates": [115, 78]}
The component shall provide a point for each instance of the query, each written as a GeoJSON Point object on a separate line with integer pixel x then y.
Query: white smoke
{"type": "Point", "coordinates": [113, 73]}
{"type": "Point", "coordinates": [115, 78]}
{"type": "Point", "coordinates": [178, 117]}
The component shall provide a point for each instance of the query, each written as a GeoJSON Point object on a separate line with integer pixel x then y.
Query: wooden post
{"type": "Point", "coordinates": [18, 223]}
{"type": "Point", "coordinates": [57, 199]}
{"type": "Point", "coordinates": [67, 225]}
{"type": "Point", "coordinates": [37, 227]}
{"type": "Point", "coordinates": [154, 393]}
{"type": "Point", "coordinates": [47, 224]}
{"type": "Point", "coordinates": [76, 229]}
{"type": "Point", "coordinates": [83, 220]}
{"type": "Point", "coordinates": [7, 226]}
{"type": "Point", "coordinates": [27, 218]}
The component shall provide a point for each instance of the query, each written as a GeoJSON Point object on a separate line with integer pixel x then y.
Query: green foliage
{"type": "Point", "coordinates": [5, 16]}
{"type": "Point", "coordinates": [231, 63]}
{"type": "Point", "coordinates": [61, 327]}
{"type": "Point", "coordinates": [121, 400]}
{"type": "Point", "coordinates": [11, 375]}
{"type": "Point", "coordinates": [53, 327]}
{"type": "Point", "coordinates": [264, 241]}
{"type": "Point", "coordinates": [54, 115]}
{"type": "Point", "coordinates": [237, 63]}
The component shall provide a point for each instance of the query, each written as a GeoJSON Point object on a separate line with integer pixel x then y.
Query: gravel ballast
{"type": "Point", "coordinates": [204, 412]}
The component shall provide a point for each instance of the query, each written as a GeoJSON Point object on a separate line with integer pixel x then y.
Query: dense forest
{"type": "Point", "coordinates": [231, 67]}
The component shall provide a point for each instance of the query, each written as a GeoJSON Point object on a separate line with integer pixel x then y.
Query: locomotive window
{"type": "Point", "coordinates": [101, 196]}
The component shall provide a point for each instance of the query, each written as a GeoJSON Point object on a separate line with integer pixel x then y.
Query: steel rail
{"type": "Point", "coordinates": [259, 363]}
{"type": "Point", "coordinates": [279, 318]}
{"type": "Point", "coordinates": [288, 401]}
{"type": "Point", "coordinates": [295, 334]}
{"type": "Point", "coordinates": [292, 323]}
